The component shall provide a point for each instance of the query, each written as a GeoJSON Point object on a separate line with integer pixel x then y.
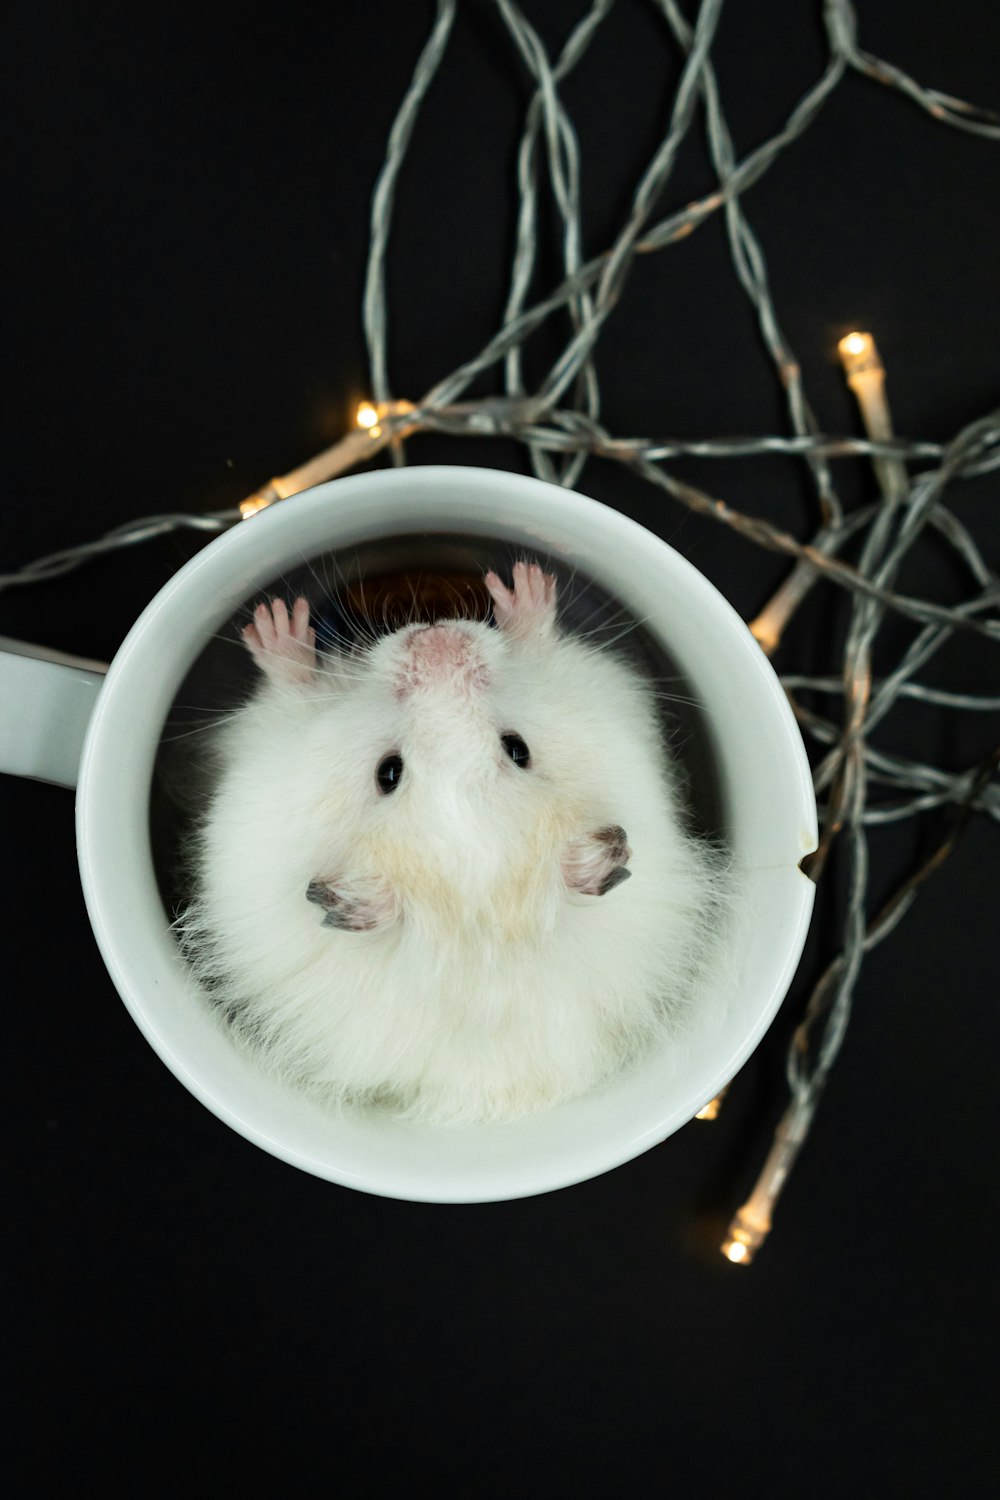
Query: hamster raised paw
{"type": "Point", "coordinates": [446, 872]}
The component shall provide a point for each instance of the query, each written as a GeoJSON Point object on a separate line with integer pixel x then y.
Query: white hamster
{"type": "Point", "coordinates": [412, 883]}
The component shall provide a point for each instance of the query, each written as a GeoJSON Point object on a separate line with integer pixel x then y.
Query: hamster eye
{"type": "Point", "coordinates": [517, 750]}
{"type": "Point", "coordinates": [389, 773]}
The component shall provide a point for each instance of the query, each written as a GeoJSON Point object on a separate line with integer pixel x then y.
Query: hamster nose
{"type": "Point", "coordinates": [441, 655]}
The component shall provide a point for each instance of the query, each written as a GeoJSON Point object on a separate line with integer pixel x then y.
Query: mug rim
{"type": "Point", "coordinates": [106, 767]}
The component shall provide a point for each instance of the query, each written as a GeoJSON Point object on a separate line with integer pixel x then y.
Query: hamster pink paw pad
{"type": "Point", "coordinates": [595, 864]}
{"type": "Point", "coordinates": [530, 606]}
{"type": "Point", "coordinates": [283, 646]}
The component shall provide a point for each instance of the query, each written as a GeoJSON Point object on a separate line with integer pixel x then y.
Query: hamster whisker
{"type": "Point", "coordinates": [675, 698]}
{"type": "Point", "coordinates": [339, 672]}
{"type": "Point", "coordinates": [599, 631]}
{"type": "Point", "coordinates": [636, 622]}
{"type": "Point", "coordinates": [574, 594]}
{"type": "Point", "coordinates": [201, 708]}
{"type": "Point", "coordinates": [365, 611]}
{"type": "Point", "coordinates": [185, 734]}
{"type": "Point", "coordinates": [322, 583]}
{"type": "Point", "coordinates": [413, 597]}
{"type": "Point", "coordinates": [225, 640]}
{"type": "Point", "coordinates": [326, 636]}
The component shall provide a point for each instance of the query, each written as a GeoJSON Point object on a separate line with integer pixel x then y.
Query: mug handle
{"type": "Point", "coordinates": [46, 700]}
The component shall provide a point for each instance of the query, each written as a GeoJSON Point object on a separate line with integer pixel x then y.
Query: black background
{"type": "Point", "coordinates": [186, 231]}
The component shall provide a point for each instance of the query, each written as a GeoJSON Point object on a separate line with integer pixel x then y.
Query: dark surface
{"type": "Point", "coordinates": [187, 220]}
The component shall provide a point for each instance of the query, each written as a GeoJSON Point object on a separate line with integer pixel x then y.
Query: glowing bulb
{"type": "Point", "coordinates": [752, 1224]}
{"type": "Point", "coordinates": [367, 415]}
{"type": "Point", "coordinates": [855, 344]}
{"type": "Point", "coordinates": [741, 1242]}
{"type": "Point", "coordinates": [710, 1111]}
{"type": "Point", "coordinates": [861, 363]}
{"type": "Point", "coordinates": [260, 500]}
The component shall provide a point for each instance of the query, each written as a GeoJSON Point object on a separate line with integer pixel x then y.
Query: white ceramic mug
{"type": "Point", "coordinates": [50, 711]}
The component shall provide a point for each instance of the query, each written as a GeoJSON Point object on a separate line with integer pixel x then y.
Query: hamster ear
{"type": "Point", "coordinates": [595, 863]}
{"type": "Point", "coordinates": [529, 608]}
{"type": "Point", "coordinates": [353, 906]}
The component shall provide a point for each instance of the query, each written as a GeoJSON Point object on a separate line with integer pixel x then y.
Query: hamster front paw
{"type": "Point", "coordinates": [357, 907]}
{"type": "Point", "coordinates": [283, 648]}
{"type": "Point", "coordinates": [530, 607]}
{"type": "Point", "coordinates": [595, 864]}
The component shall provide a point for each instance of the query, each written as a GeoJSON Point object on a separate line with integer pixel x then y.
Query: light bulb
{"type": "Point", "coordinates": [855, 344]}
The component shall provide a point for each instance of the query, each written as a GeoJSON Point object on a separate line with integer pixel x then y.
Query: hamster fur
{"type": "Point", "coordinates": [461, 942]}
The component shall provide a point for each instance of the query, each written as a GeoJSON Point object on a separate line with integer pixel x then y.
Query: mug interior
{"type": "Point", "coordinates": [746, 776]}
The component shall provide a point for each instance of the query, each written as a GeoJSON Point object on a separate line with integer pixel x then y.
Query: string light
{"type": "Point", "coordinates": [847, 767]}
{"type": "Point", "coordinates": [845, 771]}
{"type": "Point", "coordinates": [559, 426]}
{"type": "Point", "coordinates": [710, 1111]}
{"type": "Point", "coordinates": [375, 428]}
{"type": "Point", "coordinates": [866, 378]}
{"type": "Point", "coordinates": [751, 1223]}
{"type": "Point", "coordinates": [854, 345]}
